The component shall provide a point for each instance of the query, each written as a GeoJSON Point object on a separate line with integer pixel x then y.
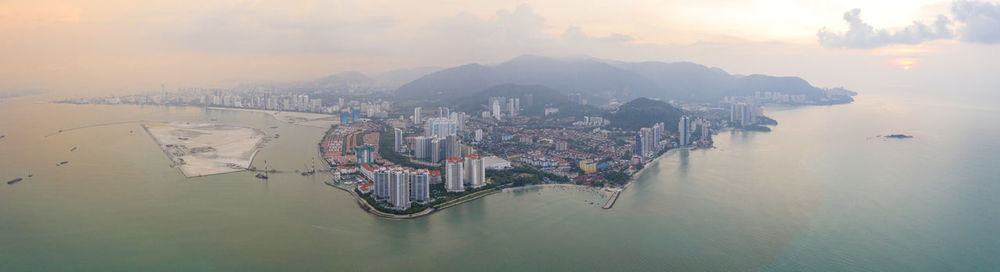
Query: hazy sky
{"type": "Point", "coordinates": [128, 46]}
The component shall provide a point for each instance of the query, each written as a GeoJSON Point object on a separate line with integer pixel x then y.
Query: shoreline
{"type": "Point", "coordinates": [431, 210]}
{"type": "Point", "coordinates": [310, 116]}
{"type": "Point", "coordinates": [615, 193]}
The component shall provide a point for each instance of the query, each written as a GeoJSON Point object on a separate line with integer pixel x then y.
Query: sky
{"type": "Point", "coordinates": [132, 46]}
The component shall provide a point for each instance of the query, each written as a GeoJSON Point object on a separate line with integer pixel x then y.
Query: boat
{"type": "Point", "coordinates": [31, 175]}
{"type": "Point", "coordinates": [72, 149]}
{"type": "Point", "coordinates": [63, 162]}
{"type": "Point", "coordinates": [1, 136]}
{"type": "Point", "coordinates": [261, 176]}
{"type": "Point", "coordinates": [14, 181]}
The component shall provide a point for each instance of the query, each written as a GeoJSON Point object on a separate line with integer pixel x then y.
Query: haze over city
{"type": "Point", "coordinates": [114, 47]}
{"type": "Point", "coordinates": [499, 135]}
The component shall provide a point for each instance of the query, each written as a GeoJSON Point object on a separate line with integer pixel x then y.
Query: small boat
{"type": "Point", "coordinates": [72, 149]}
{"type": "Point", "coordinates": [63, 162]}
{"type": "Point", "coordinates": [14, 181]}
{"type": "Point", "coordinates": [31, 175]}
{"type": "Point", "coordinates": [1, 136]}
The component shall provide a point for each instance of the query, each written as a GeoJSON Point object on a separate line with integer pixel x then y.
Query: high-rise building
{"type": "Point", "coordinates": [440, 127]}
{"type": "Point", "coordinates": [495, 107]}
{"type": "Point", "coordinates": [454, 175]}
{"type": "Point", "coordinates": [512, 107]}
{"type": "Point", "coordinates": [420, 185]}
{"type": "Point", "coordinates": [399, 189]}
{"type": "Point", "coordinates": [443, 112]}
{"type": "Point", "coordinates": [381, 183]}
{"type": "Point", "coordinates": [648, 145]}
{"type": "Point", "coordinates": [436, 150]}
{"type": "Point", "coordinates": [422, 147]}
{"type": "Point", "coordinates": [416, 115]}
{"type": "Point", "coordinates": [475, 171]}
{"type": "Point", "coordinates": [452, 147]}
{"type": "Point", "coordinates": [398, 146]}
{"type": "Point", "coordinates": [365, 154]}
{"type": "Point", "coordinates": [638, 145]}
{"type": "Point", "coordinates": [479, 135]}
{"type": "Point", "coordinates": [684, 130]}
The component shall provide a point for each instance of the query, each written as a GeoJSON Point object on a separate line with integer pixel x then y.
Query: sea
{"type": "Point", "coordinates": [820, 192]}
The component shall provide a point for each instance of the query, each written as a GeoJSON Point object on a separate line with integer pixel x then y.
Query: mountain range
{"type": "Point", "coordinates": [601, 80]}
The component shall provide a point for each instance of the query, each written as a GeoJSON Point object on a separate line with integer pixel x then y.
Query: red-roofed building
{"type": "Point", "coordinates": [365, 188]}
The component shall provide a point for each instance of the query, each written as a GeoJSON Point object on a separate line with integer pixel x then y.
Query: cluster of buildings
{"type": "Point", "coordinates": [743, 113]}
{"type": "Point", "coordinates": [400, 187]}
{"type": "Point", "coordinates": [467, 172]}
{"type": "Point", "coordinates": [777, 97]}
{"type": "Point", "coordinates": [649, 141]}
{"type": "Point", "coordinates": [502, 106]}
{"type": "Point", "coordinates": [591, 121]}
{"type": "Point", "coordinates": [349, 110]}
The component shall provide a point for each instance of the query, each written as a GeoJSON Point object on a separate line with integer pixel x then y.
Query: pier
{"type": "Point", "coordinates": [611, 201]}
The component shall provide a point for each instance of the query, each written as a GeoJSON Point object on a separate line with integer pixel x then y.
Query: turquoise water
{"type": "Point", "coordinates": [820, 192]}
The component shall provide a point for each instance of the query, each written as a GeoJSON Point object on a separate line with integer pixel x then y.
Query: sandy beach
{"type": "Point", "coordinates": [200, 149]}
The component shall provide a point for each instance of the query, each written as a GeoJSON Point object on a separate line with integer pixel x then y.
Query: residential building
{"type": "Point", "coordinates": [454, 175]}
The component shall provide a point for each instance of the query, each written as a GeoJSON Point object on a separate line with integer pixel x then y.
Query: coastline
{"type": "Point", "coordinates": [615, 193]}
{"type": "Point", "coordinates": [308, 119]}
{"type": "Point", "coordinates": [431, 210]}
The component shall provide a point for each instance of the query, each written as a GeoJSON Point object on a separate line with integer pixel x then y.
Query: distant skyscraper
{"type": "Point", "coordinates": [436, 150]}
{"type": "Point", "coordinates": [443, 112]}
{"type": "Point", "coordinates": [512, 107]}
{"type": "Point", "coordinates": [416, 115]}
{"type": "Point", "coordinates": [398, 133]}
{"type": "Point", "coordinates": [479, 135]}
{"type": "Point", "coordinates": [454, 175]}
{"type": "Point", "coordinates": [684, 130]}
{"type": "Point", "coordinates": [440, 127]}
{"type": "Point", "coordinates": [495, 106]}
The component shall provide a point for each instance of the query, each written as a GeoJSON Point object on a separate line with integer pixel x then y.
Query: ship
{"type": "Point", "coordinates": [72, 149]}
{"type": "Point", "coordinates": [62, 163]}
{"type": "Point", "coordinates": [14, 181]}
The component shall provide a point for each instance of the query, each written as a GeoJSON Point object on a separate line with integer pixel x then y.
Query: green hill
{"type": "Point", "coordinates": [644, 112]}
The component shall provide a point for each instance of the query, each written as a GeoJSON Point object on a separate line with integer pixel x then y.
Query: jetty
{"type": "Point", "coordinates": [611, 201]}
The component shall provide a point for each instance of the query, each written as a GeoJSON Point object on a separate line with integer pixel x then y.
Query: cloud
{"type": "Point", "coordinates": [575, 34]}
{"type": "Point", "coordinates": [863, 35]}
{"type": "Point", "coordinates": [980, 21]}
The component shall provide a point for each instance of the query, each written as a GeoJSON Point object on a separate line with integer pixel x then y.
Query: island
{"type": "Point", "coordinates": [898, 136]}
{"type": "Point", "coordinates": [201, 149]}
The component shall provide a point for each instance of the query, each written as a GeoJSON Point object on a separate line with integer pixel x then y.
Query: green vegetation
{"type": "Point", "coordinates": [644, 112]}
{"type": "Point", "coordinates": [523, 175]}
{"type": "Point", "coordinates": [616, 177]}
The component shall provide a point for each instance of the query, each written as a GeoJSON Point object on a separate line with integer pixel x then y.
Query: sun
{"type": "Point", "coordinates": [903, 63]}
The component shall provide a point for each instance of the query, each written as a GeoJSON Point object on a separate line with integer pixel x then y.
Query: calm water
{"type": "Point", "coordinates": [820, 192]}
